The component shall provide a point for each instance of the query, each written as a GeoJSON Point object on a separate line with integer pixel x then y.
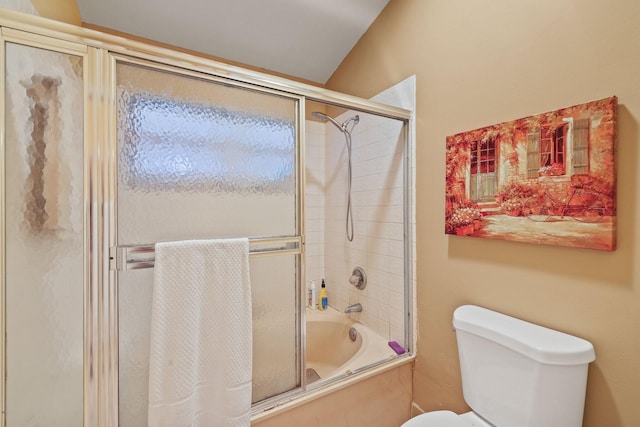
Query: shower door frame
{"type": "Point", "coordinates": [177, 68]}
{"type": "Point", "coordinates": [100, 299]}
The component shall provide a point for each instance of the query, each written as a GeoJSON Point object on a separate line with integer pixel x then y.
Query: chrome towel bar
{"type": "Point", "coordinates": [135, 257]}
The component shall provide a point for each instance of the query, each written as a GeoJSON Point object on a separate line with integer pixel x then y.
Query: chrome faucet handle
{"type": "Point", "coordinates": [358, 278]}
{"type": "Point", "coordinates": [357, 308]}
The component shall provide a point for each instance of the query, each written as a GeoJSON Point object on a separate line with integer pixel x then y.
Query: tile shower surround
{"type": "Point", "coordinates": [377, 203]}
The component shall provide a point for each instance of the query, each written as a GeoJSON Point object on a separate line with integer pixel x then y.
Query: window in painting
{"type": "Point", "coordinates": [483, 157]}
{"type": "Point", "coordinates": [553, 147]}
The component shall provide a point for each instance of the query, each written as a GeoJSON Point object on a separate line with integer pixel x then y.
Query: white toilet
{"type": "Point", "coordinates": [515, 374]}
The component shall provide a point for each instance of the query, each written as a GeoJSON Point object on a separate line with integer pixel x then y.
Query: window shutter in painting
{"type": "Point", "coordinates": [533, 154]}
{"type": "Point", "coordinates": [580, 139]}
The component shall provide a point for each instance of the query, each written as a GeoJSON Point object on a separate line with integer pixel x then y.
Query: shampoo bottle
{"type": "Point", "coordinates": [313, 295]}
{"type": "Point", "coordinates": [324, 301]}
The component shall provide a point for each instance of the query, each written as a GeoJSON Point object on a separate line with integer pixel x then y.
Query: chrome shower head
{"type": "Point", "coordinates": [320, 116]}
{"type": "Point", "coordinates": [343, 127]}
{"type": "Point", "coordinates": [324, 118]}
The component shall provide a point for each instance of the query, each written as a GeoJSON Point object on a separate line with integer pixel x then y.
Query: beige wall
{"type": "Point", "coordinates": [484, 62]}
{"type": "Point", "coordinates": [60, 10]}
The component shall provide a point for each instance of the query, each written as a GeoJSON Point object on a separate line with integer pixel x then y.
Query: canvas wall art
{"type": "Point", "coordinates": [546, 179]}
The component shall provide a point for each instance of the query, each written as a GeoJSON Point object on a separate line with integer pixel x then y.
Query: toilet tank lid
{"type": "Point", "coordinates": [536, 342]}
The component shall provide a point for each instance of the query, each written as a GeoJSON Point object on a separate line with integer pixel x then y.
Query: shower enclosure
{"type": "Point", "coordinates": [199, 158]}
{"type": "Point", "coordinates": [356, 195]}
{"type": "Point", "coordinates": [110, 146]}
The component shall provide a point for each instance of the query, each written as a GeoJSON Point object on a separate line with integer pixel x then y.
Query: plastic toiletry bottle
{"type": "Point", "coordinates": [324, 301]}
{"type": "Point", "coordinates": [313, 295]}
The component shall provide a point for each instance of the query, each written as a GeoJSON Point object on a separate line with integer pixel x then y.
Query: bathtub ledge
{"type": "Point", "coordinates": [324, 390]}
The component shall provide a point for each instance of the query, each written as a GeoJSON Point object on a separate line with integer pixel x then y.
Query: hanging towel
{"type": "Point", "coordinates": [200, 363]}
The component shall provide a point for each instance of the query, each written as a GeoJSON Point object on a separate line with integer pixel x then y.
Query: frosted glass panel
{"type": "Point", "coordinates": [135, 288]}
{"type": "Point", "coordinates": [44, 237]}
{"type": "Point", "coordinates": [199, 159]}
{"type": "Point", "coordinates": [273, 283]}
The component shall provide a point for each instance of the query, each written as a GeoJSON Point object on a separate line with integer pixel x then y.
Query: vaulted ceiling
{"type": "Point", "coordinates": [301, 38]}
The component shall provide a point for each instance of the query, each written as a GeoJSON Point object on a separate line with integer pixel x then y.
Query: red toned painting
{"type": "Point", "coordinates": [547, 179]}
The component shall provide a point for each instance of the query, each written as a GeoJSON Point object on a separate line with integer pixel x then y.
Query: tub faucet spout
{"type": "Point", "coordinates": [353, 308]}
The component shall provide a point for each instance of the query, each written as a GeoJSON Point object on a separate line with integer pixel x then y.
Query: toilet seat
{"type": "Point", "coordinates": [446, 419]}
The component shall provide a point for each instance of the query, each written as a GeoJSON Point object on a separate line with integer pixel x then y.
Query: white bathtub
{"type": "Point", "coordinates": [330, 351]}
{"type": "Point", "coordinates": [333, 356]}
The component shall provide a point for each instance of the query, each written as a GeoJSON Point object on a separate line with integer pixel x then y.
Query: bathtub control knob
{"type": "Point", "coordinates": [358, 278]}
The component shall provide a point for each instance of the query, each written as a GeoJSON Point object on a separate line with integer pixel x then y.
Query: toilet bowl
{"type": "Point", "coordinates": [446, 419]}
{"type": "Point", "coordinates": [515, 373]}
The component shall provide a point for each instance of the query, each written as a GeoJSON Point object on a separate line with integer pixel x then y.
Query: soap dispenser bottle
{"type": "Point", "coordinates": [324, 301]}
{"type": "Point", "coordinates": [313, 295]}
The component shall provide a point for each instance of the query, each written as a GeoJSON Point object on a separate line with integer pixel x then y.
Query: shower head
{"type": "Point", "coordinates": [343, 127]}
{"type": "Point", "coordinates": [324, 118]}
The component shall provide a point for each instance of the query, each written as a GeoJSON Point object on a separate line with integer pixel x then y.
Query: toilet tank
{"type": "Point", "coordinates": [517, 374]}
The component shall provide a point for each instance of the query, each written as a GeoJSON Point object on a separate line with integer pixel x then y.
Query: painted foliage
{"type": "Point", "coordinates": [547, 179]}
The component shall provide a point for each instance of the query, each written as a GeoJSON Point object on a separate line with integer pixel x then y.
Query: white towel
{"type": "Point", "coordinates": [200, 363]}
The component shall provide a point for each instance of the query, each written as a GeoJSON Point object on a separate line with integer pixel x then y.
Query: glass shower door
{"type": "Point", "coordinates": [198, 159]}
{"type": "Point", "coordinates": [43, 236]}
